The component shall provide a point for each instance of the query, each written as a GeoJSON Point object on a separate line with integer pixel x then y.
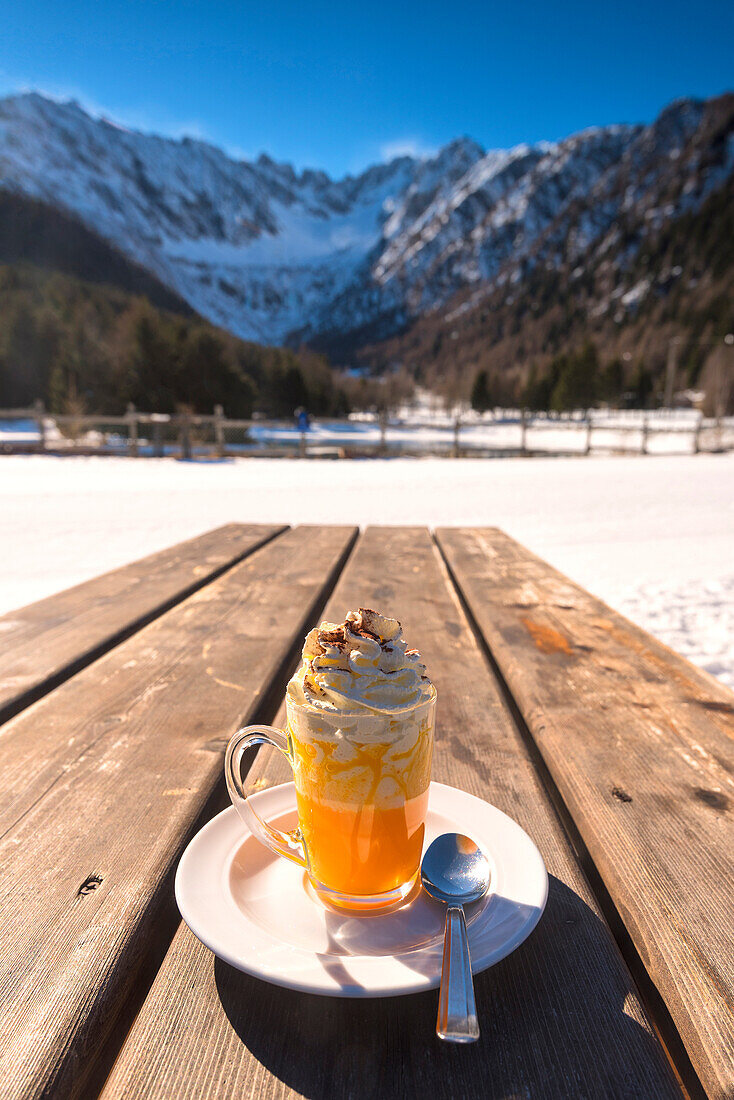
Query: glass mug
{"type": "Point", "coordinates": [362, 793]}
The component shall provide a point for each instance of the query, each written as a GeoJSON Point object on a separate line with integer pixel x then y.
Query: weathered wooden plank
{"type": "Point", "coordinates": [639, 743]}
{"type": "Point", "coordinates": [560, 1018]}
{"type": "Point", "coordinates": [116, 767]}
{"type": "Point", "coordinates": [43, 644]}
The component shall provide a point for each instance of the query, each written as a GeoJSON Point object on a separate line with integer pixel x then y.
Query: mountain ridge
{"type": "Point", "coordinates": [286, 257]}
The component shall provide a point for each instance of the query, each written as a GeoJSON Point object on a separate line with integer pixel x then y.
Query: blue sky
{"type": "Point", "coordinates": [338, 86]}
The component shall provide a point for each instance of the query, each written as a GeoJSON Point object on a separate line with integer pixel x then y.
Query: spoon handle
{"type": "Point", "coordinates": [457, 1011]}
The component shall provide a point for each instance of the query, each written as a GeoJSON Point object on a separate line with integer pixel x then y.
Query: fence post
{"type": "Point", "coordinates": [457, 427]}
{"type": "Point", "coordinates": [643, 444]}
{"type": "Point", "coordinates": [219, 430]}
{"type": "Point", "coordinates": [40, 414]}
{"type": "Point", "coordinates": [697, 434]}
{"type": "Point", "coordinates": [718, 439]}
{"type": "Point", "coordinates": [157, 439]}
{"type": "Point", "coordinates": [587, 448]}
{"type": "Point", "coordinates": [383, 433]}
{"type": "Point", "coordinates": [523, 431]}
{"type": "Point", "coordinates": [132, 430]}
{"type": "Point", "coordinates": [185, 436]}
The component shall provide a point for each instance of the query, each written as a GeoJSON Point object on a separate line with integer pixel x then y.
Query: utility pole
{"type": "Point", "coordinates": [219, 430]}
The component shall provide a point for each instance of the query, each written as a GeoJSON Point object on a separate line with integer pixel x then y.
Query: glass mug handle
{"type": "Point", "coordinates": [290, 844]}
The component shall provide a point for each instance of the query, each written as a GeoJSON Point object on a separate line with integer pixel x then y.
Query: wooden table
{"type": "Point", "coordinates": [117, 699]}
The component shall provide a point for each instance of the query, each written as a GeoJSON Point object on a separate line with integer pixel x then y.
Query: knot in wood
{"type": "Point", "coordinates": [88, 885]}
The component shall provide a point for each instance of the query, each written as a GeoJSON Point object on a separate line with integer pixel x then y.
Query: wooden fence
{"type": "Point", "coordinates": [140, 434]}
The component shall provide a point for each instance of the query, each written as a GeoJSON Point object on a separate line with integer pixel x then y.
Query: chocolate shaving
{"type": "Point", "coordinates": [355, 626]}
{"type": "Point", "coordinates": [365, 633]}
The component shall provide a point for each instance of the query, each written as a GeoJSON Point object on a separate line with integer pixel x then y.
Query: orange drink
{"type": "Point", "coordinates": [361, 715]}
{"type": "Point", "coordinates": [362, 791]}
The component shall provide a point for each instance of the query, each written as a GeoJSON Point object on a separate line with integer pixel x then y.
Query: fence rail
{"type": "Point", "coordinates": [520, 433]}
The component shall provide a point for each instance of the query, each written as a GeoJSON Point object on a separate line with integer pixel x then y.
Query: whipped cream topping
{"type": "Point", "coordinates": [362, 665]}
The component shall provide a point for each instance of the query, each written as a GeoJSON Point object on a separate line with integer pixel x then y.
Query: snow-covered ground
{"type": "Point", "coordinates": [652, 536]}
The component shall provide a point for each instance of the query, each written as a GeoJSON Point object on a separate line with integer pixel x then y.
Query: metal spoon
{"type": "Point", "coordinates": [456, 871]}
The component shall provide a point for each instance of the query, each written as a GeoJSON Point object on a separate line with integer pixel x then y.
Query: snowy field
{"type": "Point", "coordinates": [654, 536]}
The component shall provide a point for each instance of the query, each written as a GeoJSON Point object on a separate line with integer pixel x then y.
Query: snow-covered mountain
{"type": "Point", "coordinates": [277, 256]}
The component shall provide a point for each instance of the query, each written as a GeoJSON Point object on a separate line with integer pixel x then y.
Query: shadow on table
{"type": "Point", "coordinates": [552, 1016]}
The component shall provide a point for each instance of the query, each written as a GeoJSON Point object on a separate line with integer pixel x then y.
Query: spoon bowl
{"type": "Point", "coordinates": [455, 869]}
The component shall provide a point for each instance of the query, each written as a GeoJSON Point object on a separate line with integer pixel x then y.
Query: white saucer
{"type": "Point", "coordinates": [252, 908]}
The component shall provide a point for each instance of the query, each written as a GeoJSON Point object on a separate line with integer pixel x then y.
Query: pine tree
{"type": "Point", "coordinates": [154, 362]}
{"type": "Point", "coordinates": [577, 383]}
{"type": "Point", "coordinates": [642, 386]}
{"type": "Point", "coordinates": [202, 377]}
{"type": "Point", "coordinates": [294, 393]}
{"type": "Point", "coordinates": [537, 391]}
{"type": "Point", "coordinates": [481, 394]}
{"type": "Point", "coordinates": [611, 383]}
